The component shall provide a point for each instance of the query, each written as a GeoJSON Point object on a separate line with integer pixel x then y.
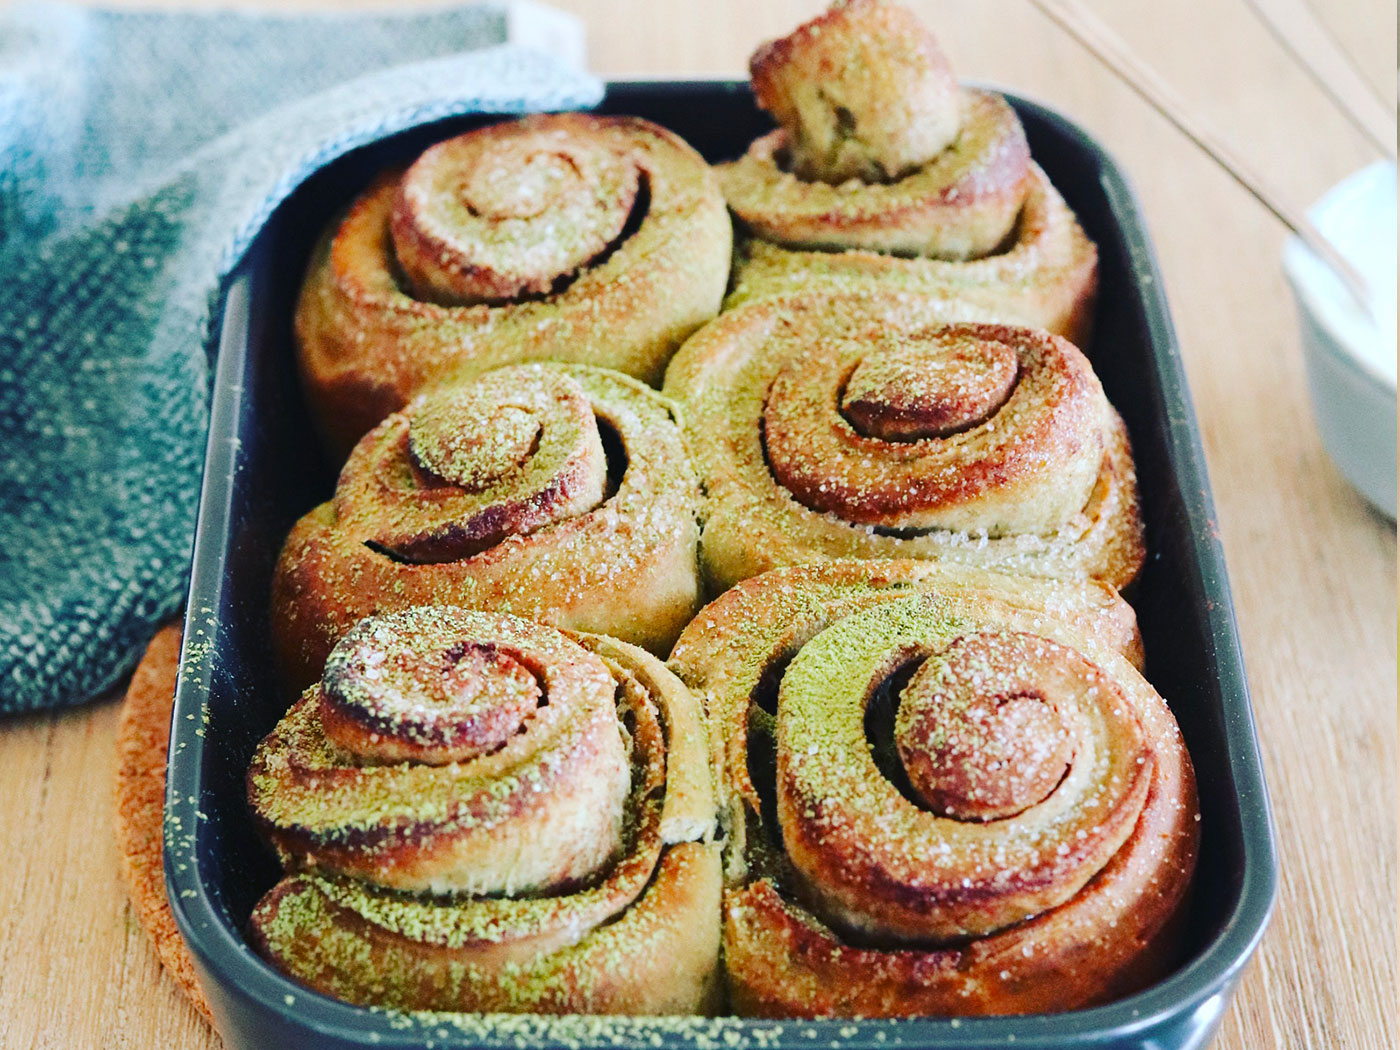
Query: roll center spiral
{"type": "Point", "coordinates": [469, 441]}
{"type": "Point", "coordinates": [469, 465]}
{"type": "Point", "coordinates": [1012, 742]}
{"type": "Point", "coordinates": [944, 385]}
{"type": "Point", "coordinates": [979, 736]}
{"type": "Point", "coordinates": [491, 217]}
{"type": "Point", "coordinates": [394, 698]}
{"type": "Point", "coordinates": [500, 192]}
{"type": "Point", "coordinates": [451, 752]}
{"type": "Point", "coordinates": [897, 424]}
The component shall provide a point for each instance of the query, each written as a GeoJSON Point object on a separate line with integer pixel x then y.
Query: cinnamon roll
{"type": "Point", "coordinates": [557, 492]}
{"type": "Point", "coordinates": [885, 169]}
{"type": "Point", "coordinates": [599, 240]}
{"type": "Point", "coordinates": [479, 813]}
{"type": "Point", "coordinates": [946, 792]}
{"type": "Point", "coordinates": [834, 425]}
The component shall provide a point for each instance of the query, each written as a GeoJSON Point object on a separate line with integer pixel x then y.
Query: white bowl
{"type": "Point", "coordinates": [1350, 355]}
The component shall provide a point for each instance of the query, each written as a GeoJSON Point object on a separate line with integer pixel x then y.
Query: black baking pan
{"type": "Point", "coordinates": [264, 470]}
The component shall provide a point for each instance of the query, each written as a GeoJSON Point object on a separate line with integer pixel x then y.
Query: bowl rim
{"type": "Point", "coordinates": [1297, 255]}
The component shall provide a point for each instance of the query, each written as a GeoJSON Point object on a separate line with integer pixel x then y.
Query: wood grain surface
{"type": "Point", "coordinates": [1313, 569]}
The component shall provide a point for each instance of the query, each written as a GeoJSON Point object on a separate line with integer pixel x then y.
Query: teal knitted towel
{"type": "Point", "coordinates": [139, 155]}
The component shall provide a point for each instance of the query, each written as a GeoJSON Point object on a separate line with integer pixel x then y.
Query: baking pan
{"type": "Point", "coordinates": [264, 470]}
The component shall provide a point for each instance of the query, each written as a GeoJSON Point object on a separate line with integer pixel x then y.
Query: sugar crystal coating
{"type": "Point", "coordinates": [561, 900]}
{"type": "Point", "coordinates": [849, 894]}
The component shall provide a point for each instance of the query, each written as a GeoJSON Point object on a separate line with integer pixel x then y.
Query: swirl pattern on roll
{"type": "Point", "coordinates": [557, 492]}
{"type": "Point", "coordinates": [946, 791]}
{"type": "Point", "coordinates": [884, 168]}
{"type": "Point", "coordinates": [479, 813]}
{"type": "Point", "coordinates": [570, 237]}
{"type": "Point", "coordinates": [865, 425]}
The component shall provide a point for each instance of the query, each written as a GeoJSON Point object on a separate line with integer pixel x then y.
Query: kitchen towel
{"type": "Point", "coordinates": [139, 155]}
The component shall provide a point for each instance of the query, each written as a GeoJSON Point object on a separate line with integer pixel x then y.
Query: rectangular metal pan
{"type": "Point", "coordinates": [264, 470]}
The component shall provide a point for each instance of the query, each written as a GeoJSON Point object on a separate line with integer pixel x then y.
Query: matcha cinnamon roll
{"type": "Point", "coordinates": [885, 169]}
{"type": "Point", "coordinates": [479, 813]}
{"type": "Point", "coordinates": [557, 492]}
{"type": "Point", "coordinates": [945, 792]}
{"type": "Point", "coordinates": [571, 237]}
{"type": "Point", "coordinates": [833, 425]}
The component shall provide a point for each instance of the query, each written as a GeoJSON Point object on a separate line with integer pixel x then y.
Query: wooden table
{"type": "Point", "coordinates": [1314, 569]}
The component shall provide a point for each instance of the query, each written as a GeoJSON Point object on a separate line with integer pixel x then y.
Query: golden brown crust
{"type": "Point", "coordinates": [484, 218]}
{"type": "Point", "coordinates": [1045, 277]}
{"type": "Point", "coordinates": [884, 170]}
{"type": "Point", "coordinates": [623, 564]}
{"type": "Point", "coordinates": [880, 859]}
{"type": "Point", "coordinates": [864, 91]}
{"type": "Point", "coordinates": [143, 742]}
{"type": "Point", "coordinates": [365, 345]}
{"type": "Point", "coordinates": [961, 205]}
{"type": "Point", "coordinates": [450, 820]}
{"type": "Point", "coordinates": [470, 465]}
{"type": "Point", "coordinates": [1021, 459]}
{"type": "Point", "coordinates": [659, 957]}
{"type": "Point", "coordinates": [1032, 474]}
{"type": "Point", "coordinates": [1000, 931]}
{"type": "Point", "coordinates": [560, 898]}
